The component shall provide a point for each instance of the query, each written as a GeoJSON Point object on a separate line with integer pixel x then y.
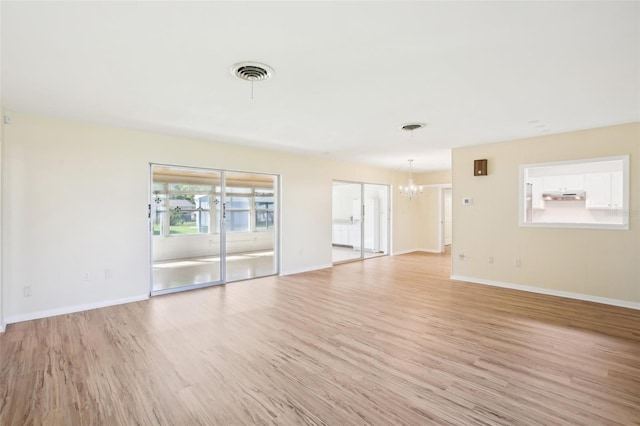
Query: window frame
{"type": "Point", "coordinates": [623, 211]}
{"type": "Point", "coordinates": [269, 211]}
{"type": "Point", "coordinates": [214, 211]}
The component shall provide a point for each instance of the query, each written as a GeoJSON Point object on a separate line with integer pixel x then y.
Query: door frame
{"type": "Point", "coordinates": [387, 248]}
{"type": "Point", "coordinates": [441, 242]}
{"type": "Point", "coordinates": [221, 224]}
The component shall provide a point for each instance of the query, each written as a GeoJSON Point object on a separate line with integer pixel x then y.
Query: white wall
{"type": "Point", "coordinates": [343, 197]}
{"type": "Point", "coordinates": [75, 201]}
{"type": "Point", "coordinates": [594, 264]}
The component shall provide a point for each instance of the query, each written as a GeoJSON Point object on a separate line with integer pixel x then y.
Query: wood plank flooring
{"type": "Point", "coordinates": [388, 341]}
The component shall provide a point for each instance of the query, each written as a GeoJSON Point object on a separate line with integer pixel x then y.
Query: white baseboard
{"type": "Point", "coordinates": [398, 253]}
{"type": "Point", "coordinates": [308, 269]}
{"type": "Point", "coordinates": [71, 309]}
{"type": "Point", "coordinates": [550, 292]}
{"type": "Point", "coordinates": [422, 250]}
{"type": "Point", "coordinates": [3, 327]}
{"type": "Point", "coordinates": [426, 250]}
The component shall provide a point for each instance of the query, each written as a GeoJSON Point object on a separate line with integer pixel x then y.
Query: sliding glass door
{"type": "Point", "coordinates": [347, 229]}
{"type": "Point", "coordinates": [360, 221]}
{"type": "Point", "coordinates": [376, 220]}
{"type": "Point", "coordinates": [209, 227]}
{"type": "Point", "coordinates": [250, 225]}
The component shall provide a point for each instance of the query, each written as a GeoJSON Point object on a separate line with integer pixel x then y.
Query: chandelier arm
{"type": "Point", "coordinates": [411, 190]}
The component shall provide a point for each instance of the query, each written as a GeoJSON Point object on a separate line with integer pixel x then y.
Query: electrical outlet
{"type": "Point", "coordinates": [490, 259]}
{"type": "Point", "coordinates": [516, 262]}
{"type": "Point", "coordinates": [108, 274]}
{"type": "Point", "coordinates": [86, 276]}
{"type": "Point", "coordinates": [463, 257]}
{"type": "Point", "coordinates": [27, 291]}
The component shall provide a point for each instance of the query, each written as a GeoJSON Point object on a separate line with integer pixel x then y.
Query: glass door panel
{"type": "Point", "coordinates": [250, 221]}
{"type": "Point", "coordinates": [186, 239]}
{"type": "Point", "coordinates": [376, 220]}
{"type": "Point", "coordinates": [347, 221]}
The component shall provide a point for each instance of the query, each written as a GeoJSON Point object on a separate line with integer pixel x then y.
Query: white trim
{"type": "Point", "coordinates": [613, 226]}
{"type": "Point", "coordinates": [422, 250]}
{"type": "Point", "coordinates": [308, 269]}
{"type": "Point", "coordinates": [441, 216]}
{"type": "Point", "coordinates": [624, 226]}
{"type": "Point", "coordinates": [550, 292]}
{"type": "Point", "coordinates": [403, 252]}
{"type": "Point", "coordinates": [73, 309]}
{"type": "Point", "coordinates": [3, 327]}
{"type": "Point", "coordinates": [426, 250]}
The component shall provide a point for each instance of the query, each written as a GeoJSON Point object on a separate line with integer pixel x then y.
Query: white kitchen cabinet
{"type": "Point", "coordinates": [537, 188]}
{"type": "Point", "coordinates": [341, 235]}
{"type": "Point", "coordinates": [617, 198]}
{"type": "Point", "coordinates": [563, 183]}
{"type": "Point", "coordinates": [574, 182]}
{"type": "Point", "coordinates": [603, 190]}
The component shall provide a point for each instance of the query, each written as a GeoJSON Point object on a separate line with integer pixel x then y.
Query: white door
{"type": "Point", "coordinates": [447, 216]}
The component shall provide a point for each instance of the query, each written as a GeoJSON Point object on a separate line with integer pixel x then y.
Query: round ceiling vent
{"type": "Point", "coordinates": [412, 126]}
{"type": "Point", "coordinates": [252, 71]}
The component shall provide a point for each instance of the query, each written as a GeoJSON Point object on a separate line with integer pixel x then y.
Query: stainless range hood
{"type": "Point", "coordinates": [564, 196]}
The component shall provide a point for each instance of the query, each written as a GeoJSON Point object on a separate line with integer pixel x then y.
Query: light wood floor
{"type": "Point", "coordinates": [386, 341]}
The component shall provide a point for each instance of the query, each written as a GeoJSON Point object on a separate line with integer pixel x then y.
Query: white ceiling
{"type": "Point", "coordinates": [347, 74]}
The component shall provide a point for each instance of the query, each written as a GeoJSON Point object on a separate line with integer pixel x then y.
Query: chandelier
{"type": "Point", "coordinates": [411, 190]}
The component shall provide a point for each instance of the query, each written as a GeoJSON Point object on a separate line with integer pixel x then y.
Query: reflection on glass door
{"type": "Point", "coordinates": [360, 221]}
{"type": "Point", "coordinates": [250, 224]}
{"type": "Point", "coordinates": [210, 227]}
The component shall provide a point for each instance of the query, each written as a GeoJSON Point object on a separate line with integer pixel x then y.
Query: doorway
{"type": "Point", "coordinates": [360, 221]}
{"type": "Point", "coordinates": [447, 220]}
{"type": "Point", "coordinates": [210, 227]}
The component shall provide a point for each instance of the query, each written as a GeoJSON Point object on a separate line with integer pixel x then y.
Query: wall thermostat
{"type": "Point", "coordinates": [467, 201]}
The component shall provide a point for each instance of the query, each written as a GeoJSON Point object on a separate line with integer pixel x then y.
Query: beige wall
{"type": "Point", "coordinates": [405, 217]}
{"type": "Point", "coordinates": [429, 211]}
{"type": "Point", "coordinates": [2, 322]}
{"type": "Point", "coordinates": [423, 211]}
{"type": "Point", "coordinates": [595, 263]}
{"type": "Point", "coordinates": [433, 178]}
{"type": "Point", "coordinates": [429, 219]}
{"type": "Point", "coordinates": [75, 200]}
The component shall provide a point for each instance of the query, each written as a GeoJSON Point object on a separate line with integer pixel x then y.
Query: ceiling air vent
{"type": "Point", "coordinates": [252, 71]}
{"type": "Point", "coordinates": [412, 126]}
